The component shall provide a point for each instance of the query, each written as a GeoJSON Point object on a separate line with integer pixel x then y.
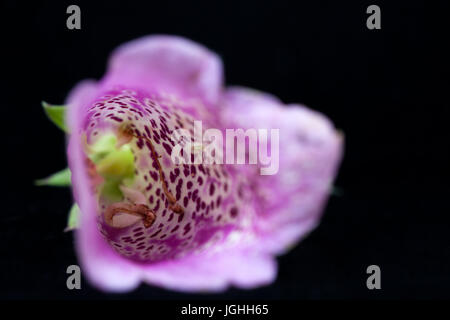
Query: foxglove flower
{"type": "Point", "coordinates": [186, 226]}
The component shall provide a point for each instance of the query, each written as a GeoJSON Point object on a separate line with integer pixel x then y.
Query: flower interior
{"type": "Point", "coordinates": [149, 208]}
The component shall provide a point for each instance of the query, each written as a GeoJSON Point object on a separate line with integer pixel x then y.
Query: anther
{"type": "Point", "coordinates": [140, 210]}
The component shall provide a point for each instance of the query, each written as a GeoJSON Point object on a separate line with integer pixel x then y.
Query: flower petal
{"type": "Point", "coordinates": [208, 269]}
{"type": "Point", "coordinates": [289, 202]}
{"type": "Point", "coordinates": [284, 207]}
{"type": "Point", "coordinates": [167, 63]}
{"type": "Point", "coordinates": [212, 272]}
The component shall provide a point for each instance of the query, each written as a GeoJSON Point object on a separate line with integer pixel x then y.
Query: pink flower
{"type": "Point", "coordinates": [189, 227]}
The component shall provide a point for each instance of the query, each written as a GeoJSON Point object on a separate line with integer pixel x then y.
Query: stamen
{"type": "Point", "coordinates": [173, 205]}
{"type": "Point", "coordinates": [94, 177]}
{"type": "Point", "coordinates": [176, 208]}
{"type": "Point", "coordinates": [140, 210]}
{"type": "Point", "coordinates": [125, 135]}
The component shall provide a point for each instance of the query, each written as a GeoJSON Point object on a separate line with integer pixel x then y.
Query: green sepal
{"type": "Point", "coordinates": [56, 114]}
{"type": "Point", "coordinates": [58, 179]}
{"type": "Point", "coordinates": [73, 220]}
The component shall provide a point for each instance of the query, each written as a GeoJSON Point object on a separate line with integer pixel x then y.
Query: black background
{"type": "Point", "coordinates": [386, 89]}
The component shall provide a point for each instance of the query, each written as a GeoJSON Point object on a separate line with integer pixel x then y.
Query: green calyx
{"type": "Point", "coordinates": [56, 114]}
{"type": "Point", "coordinates": [74, 216]}
{"type": "Point", "coordinates": [58, 179]}
{"type": "Point", "coordinates": [115, 164]}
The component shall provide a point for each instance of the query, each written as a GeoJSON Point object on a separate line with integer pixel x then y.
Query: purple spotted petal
{"type": "Point", "coordinates": [289, 203]}
{"type": "Point", "coordinates": [167, 64]}
{"type": "Point", "coordinates": [199, 227]}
